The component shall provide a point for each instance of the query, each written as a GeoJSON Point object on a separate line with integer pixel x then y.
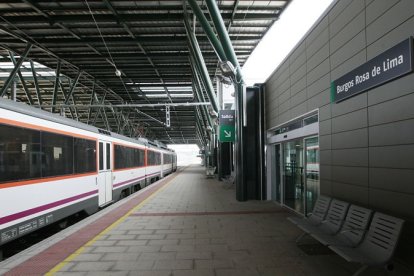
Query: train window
{"type": "Point", "coordinates": [108, 156]}
{"type": "Point", "coordinates": [101, 157]}
{"type": "Point", "coordinates": [84, 155]}
{"type": "Point", "coordinates": [154, 158]}
{"type": "Point", "coordinates": [126, 157]}
{"type": "Point", "coordinates": [57, 156]}
{"type": "Point", "coordinates": [19, 153]}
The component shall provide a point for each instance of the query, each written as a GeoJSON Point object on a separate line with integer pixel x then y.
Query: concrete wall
{"type": "Point", "coordinates": [366, 142]}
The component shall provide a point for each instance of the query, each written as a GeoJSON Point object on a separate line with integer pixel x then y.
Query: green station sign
{"type": "Point", "coordinates": [227, 126]}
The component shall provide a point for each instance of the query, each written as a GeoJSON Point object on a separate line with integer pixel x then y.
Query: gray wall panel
{"type": "Point", "coordinates": [348, 32]}
{"type": "Point", "coordinates": [401, 157]}
{"type": "Point", "coordinates": [327, 172]}
{"type": "Point", "coordinates": [325, 142]}
{"type": "Point", "coordinates": [355, 103]}
{"type": "Point", "coordinates": [299, 110]}
{"type": "Point", "coordinates": [321, 55]}
{"type": "Point", "coordinates": [325, 112]}
{"type": "Point", "coordinates": [318, 86]}
{"type": "Point", "coordinates": [350, 121]}
{"type": "Point", "coordinates": [317, 34]}
{"type": "Point", "coordinates": [389, 20]}
{"type": "Point", "coordinates": [298, 62]}
{"type": "Point", "coordinates": [391, 111]}
{"type": "Point", "coordinates": [313, 46]}
{"type": "Point", "coordinates": [350, 193]}
{"type": "Point", "coordinates": [391, 90]}
{"type": "Point", "coordinates": [377, 8]}
{"type": "Point", "coordinates": [326, 157]}
{"type": "Point", "coordinates": [298, 86]}
{"type": "Point", "coordinates": [298, 74]}
{"type": "Point", "coordinates": [396, 133]}
{"type": "Point", "coordinates": [298, 98]}
{"type": "Point", "coordinates": [318, 72]}
{"type": "Point", "coordinates": [390, 39]}
{"type": "Point", "coordinates": [345, 15]}
{"type": "Point", "coordinates": [350, 139]}
{"type": "Point", "coordinates": [351, 48]}
{"type": "Point", "coordinates": [350, 175]}
{"type": "Point", "coordinates": [326, 187]}
{"type": "Point", "coordinates": [350, 157]}
{"type": "Point", "coordinates": [394, 180]}
{"type": "Point", "coordinates": [325, 127]}
{"type": "Point", "coordinates": [349, 65]}
{"type": "Point", "coordinates": [321, 98]}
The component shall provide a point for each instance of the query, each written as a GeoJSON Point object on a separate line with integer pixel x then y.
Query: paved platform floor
{"type": "Point", "coordinates": [192, 225]}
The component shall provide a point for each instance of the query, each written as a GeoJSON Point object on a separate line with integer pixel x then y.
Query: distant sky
{"type": "Point", "coordinates": [186, 154]}
{"type": "Point", "coordinates": [285, 33]}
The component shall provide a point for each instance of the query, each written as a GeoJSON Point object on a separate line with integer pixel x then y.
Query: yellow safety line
{"type": "Point", "coordinates": [59, 266]}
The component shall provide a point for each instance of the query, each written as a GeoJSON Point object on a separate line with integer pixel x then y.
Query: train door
{"type": "Point", "coordinates": [105, 173]}
{"type": "Point", "coordinates": [162, 165]}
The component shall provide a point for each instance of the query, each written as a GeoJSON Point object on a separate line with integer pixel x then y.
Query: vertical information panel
{"type": "Point", "coordinates": [227, 125]}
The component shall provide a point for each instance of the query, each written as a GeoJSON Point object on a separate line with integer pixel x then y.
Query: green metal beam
{"type": "Point", "coordinates": [200, 62]}
{"type": "Point", "coordinates": [224, 37]}
{"type": "Point", "coordinates": [14, 71]}
{"type": "Point", "coordinates": [218, 48]}
{"type": "Point", "coordinates": [72, 88]}
{"type": "Point", "coordinates": [36, 83]}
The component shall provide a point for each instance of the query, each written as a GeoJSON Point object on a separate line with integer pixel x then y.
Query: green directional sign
{"type": "Point", "coordinates": [227, 134]}
{"type": "Point", "coordinates": [227, 126]}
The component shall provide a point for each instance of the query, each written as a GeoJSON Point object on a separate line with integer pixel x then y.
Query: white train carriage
{"type": "Point", "coordinates": [52, 167]}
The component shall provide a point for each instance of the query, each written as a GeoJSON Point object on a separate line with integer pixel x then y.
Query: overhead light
{"type": "Point", "coordinates": [227, 68]}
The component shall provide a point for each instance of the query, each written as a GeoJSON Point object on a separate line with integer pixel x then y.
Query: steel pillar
{"type": "Point", "coordinates": [201, 64]}
{"type": "Point", "coordinates": [14, 71]}
{"type": "Point", "coordinates": [224, 37]}
{"type": "Point", "coordinates": [218, 48]}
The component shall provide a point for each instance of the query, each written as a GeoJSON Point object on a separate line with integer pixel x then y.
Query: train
{"type": "Point", "coordinates": [52, 167]}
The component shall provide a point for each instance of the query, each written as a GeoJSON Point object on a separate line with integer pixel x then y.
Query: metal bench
{"type": "Point", "coordinates": [378, 246]}
{"type": "Point", "coordinates": [352, 231]}
{"type": "Point", "coordinates": [318, 214]}
{"type": "Point", "coordinates": [332, 222]}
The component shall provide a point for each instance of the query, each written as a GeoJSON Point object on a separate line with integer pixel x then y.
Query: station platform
{"type": "Point", "coordinates": [184, 224]}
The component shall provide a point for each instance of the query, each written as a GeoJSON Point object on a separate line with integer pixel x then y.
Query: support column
{"type": "Point", "coordinates": [218, 48]}
{"type": "Point", "coordinates": [201, 64]}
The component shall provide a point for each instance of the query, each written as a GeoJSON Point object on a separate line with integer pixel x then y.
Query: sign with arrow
{"type": "Point", "coordinates": [227, 125]}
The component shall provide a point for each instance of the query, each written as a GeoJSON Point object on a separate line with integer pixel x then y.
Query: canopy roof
{"type": "Point", "coordinates": [145, 40]}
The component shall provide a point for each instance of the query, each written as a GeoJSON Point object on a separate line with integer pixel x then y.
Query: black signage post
{"type": "Point", "coordinates": [393, 63]}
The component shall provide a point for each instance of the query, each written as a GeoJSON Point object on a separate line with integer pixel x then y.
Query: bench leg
{"type": "Point", "coordinates": [360, 270]}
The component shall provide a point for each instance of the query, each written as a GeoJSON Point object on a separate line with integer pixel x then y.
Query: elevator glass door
{"type": "Point", "coordinates": [293, 178]}
{"type": "Point", "coordinates": [312, 172]}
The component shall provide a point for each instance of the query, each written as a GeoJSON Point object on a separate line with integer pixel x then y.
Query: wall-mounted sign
{"type": "Point", "coordinates": [391, 64]}
{"type": "Point", "coordinates": [227, 125]}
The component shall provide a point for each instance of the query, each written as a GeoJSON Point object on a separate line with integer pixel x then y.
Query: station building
{"type": "Point", "coordinates": [360, 148]}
